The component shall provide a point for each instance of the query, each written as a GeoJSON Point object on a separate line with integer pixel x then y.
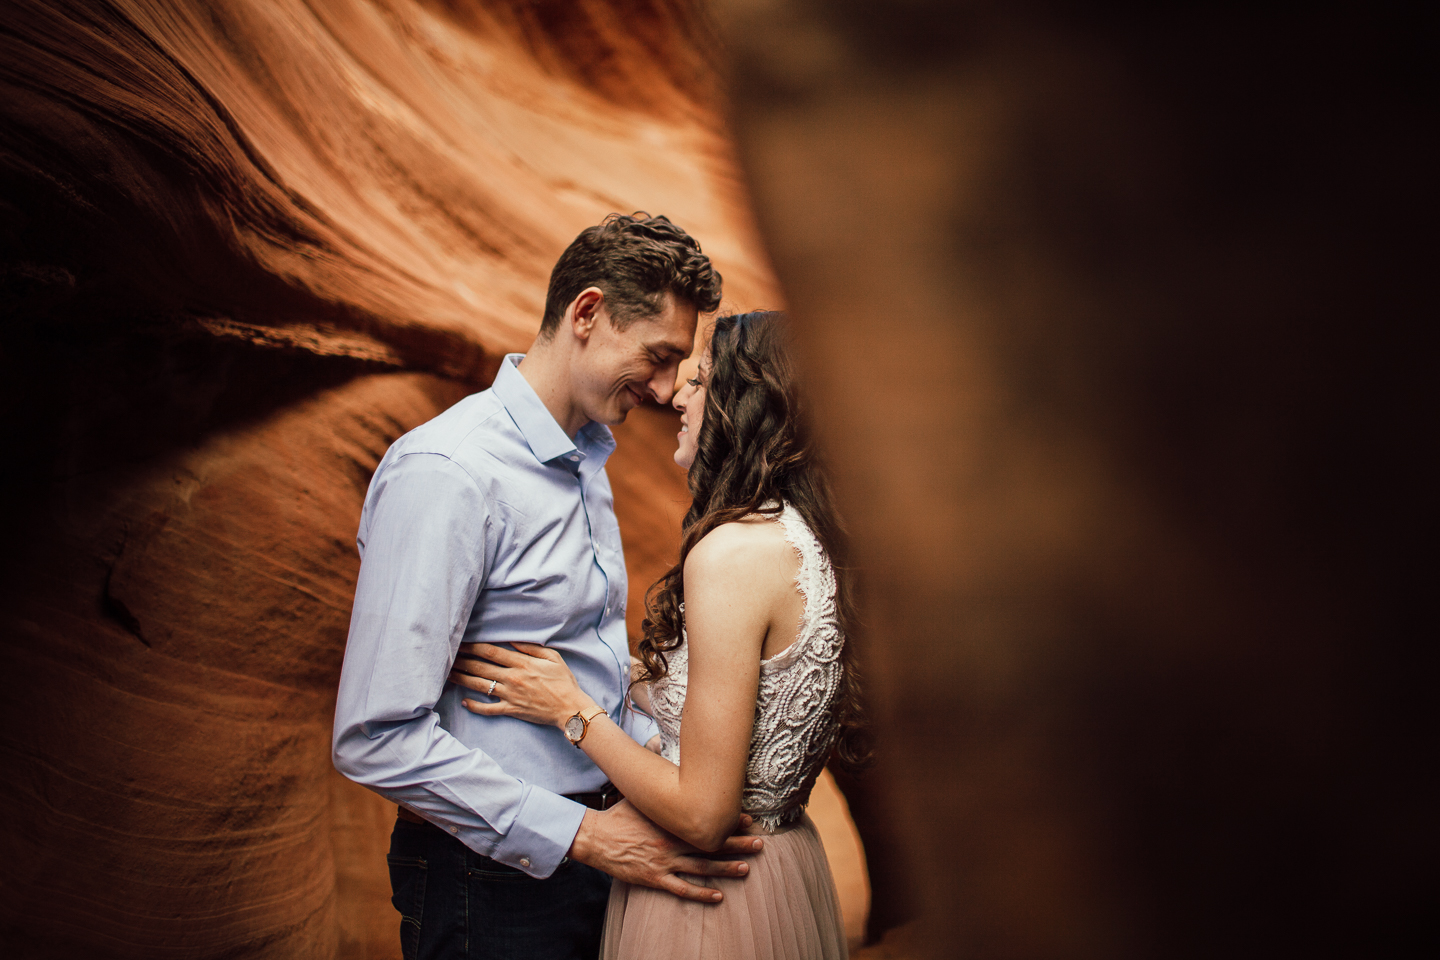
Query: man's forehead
{"type": "Point", "coordinates": [671, 331]}
{"type": "Point", "coordinates": [675, 345]}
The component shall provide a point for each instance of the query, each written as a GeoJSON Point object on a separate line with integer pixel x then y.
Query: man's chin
{"type": "Point", "coordinates": [628, 402]}
{"type": "Point", "coordinates": [615, 415]}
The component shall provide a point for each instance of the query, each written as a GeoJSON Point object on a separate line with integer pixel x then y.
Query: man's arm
{"type": "Point", "coordinates": [427, 551]}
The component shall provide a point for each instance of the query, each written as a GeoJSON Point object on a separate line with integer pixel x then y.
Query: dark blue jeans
{"type": "Point", "coordinates": [455, 904]}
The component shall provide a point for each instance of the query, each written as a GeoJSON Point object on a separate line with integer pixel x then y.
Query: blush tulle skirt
{"type": "Point", "coordinates": [786, 908]}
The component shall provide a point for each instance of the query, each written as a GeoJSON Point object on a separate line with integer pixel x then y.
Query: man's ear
{"type": "Point", "coordinates": [584, 311]}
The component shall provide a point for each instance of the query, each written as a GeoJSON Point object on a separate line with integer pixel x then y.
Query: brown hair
{"type": "Point", "coordinates": [635, 261]}
{"type": "Point", "coordinates": [752, 450]}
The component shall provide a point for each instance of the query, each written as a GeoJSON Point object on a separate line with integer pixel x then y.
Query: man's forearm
{"type": "Point", "coordinates": [477, 794]}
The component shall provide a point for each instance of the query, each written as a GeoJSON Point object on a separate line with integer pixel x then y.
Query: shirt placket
{"type": "Point", "coordinates": [612, 602]}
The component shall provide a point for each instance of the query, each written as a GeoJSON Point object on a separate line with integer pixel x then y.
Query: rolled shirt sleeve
{"type": "Point", "coordinates": [427, 546]}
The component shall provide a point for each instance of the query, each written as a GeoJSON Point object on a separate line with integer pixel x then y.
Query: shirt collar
{"type": "Point", "coordinates": [544, 436]}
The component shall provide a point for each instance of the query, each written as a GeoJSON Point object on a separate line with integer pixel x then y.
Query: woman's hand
{"type": "Point", "coordinates": [530, 682]}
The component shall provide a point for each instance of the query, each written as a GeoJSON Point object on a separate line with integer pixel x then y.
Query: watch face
{"type": "Point", "coordinates": [574, 729]}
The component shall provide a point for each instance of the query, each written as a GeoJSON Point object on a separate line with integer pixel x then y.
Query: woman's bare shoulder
{"type": "Point", "coordinates": [738, 581]}
{"type": "Point", "coordinates": [751, 550]}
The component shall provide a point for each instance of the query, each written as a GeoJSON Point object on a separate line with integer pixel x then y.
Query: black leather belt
{"type": "Point", "coordinates": [602, 799]}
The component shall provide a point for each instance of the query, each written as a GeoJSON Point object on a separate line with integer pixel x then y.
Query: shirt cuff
{"type": "Point", "coordinates": [541, 834]}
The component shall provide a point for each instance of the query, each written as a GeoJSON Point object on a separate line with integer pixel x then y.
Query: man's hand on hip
{"type": "Point", "coordinates": [625, 844]}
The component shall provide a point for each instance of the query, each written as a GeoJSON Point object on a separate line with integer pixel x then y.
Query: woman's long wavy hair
{"type": "Point", "coordinates": [753, 451]}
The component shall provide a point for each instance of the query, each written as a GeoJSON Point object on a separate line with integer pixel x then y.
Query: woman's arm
{"type": "Point", "coordinates": [735, 581]}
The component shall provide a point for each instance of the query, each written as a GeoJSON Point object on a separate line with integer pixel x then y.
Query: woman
{"type": "Point", "coordinates": [744, 639]}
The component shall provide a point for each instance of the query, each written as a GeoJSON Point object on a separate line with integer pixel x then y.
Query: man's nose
{"type": "Point", "coordinates": [662, 386]}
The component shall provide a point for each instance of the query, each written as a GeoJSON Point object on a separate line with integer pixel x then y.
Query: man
{"type": "Point", "coordinates": [494, 521]}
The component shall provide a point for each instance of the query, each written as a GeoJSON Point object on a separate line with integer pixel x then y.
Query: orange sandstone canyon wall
{"type": "Point", "coordinates": [246, 244]}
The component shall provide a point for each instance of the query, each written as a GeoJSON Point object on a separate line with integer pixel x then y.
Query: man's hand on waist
{"type": "Point", "coordinates": [625, 844]}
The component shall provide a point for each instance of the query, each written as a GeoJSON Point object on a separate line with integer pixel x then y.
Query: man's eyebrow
{"type": "Point", "coordinates": [669, 351]}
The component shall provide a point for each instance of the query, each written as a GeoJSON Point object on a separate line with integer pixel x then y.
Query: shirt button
{"type": "Point", "coordinates": [454, 829]}
{"type": "Point", "coordinates": [574, 458]}
{"type": "Point", "coordinates": [524, 861]}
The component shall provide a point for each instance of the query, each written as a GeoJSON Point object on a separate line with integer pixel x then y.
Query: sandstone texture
{"type": "Point", "coordinates": [246, 245]}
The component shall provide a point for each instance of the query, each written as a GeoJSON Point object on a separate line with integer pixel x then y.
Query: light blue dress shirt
{"type": "Point", "coordinates": [486, 523]}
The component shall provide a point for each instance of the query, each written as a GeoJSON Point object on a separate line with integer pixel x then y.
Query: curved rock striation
{"type": "Point", "coordinates": [244, 246]}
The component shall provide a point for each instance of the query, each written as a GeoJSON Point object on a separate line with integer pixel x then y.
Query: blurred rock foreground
{"type": "Point", "coordinates": [1113, 316]}
{"type": "Point", "coordinates": [1122, 320]}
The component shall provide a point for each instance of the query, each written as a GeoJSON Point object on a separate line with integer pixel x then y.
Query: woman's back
{"type": "Point", "coordinates": [795, 720]}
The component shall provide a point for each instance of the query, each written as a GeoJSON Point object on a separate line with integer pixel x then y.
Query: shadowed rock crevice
{"type": "Point", "coordinates": [116, 609]}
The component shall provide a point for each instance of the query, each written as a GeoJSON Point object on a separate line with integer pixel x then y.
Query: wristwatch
{"type": "Point", "coordinates": [579, 725]}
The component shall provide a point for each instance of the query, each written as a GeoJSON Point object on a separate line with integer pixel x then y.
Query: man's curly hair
{"type": "Point", "coordinates": [635, 261]}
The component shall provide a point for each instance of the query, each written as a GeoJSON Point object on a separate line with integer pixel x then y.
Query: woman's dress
{"type": "Point", "coordinates": [786, 908]}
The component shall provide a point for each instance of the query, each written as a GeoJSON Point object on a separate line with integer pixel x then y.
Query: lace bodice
{"type": "Point", "coordinates": [795, 723]}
